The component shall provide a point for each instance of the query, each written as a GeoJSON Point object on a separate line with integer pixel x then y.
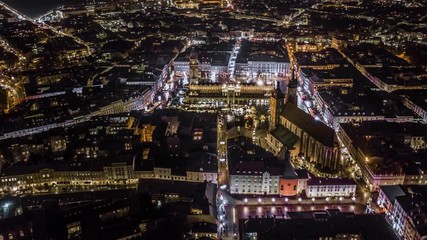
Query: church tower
{"type": "Point", "coordinates": [277, 102]}
{"type": "Point", "coordinates": [292, 95]}
{"type": "Point", "coordinates": [194, 67]}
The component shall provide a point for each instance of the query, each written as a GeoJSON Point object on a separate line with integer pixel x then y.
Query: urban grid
{"type": "Point", "coordinates": [213, 119]}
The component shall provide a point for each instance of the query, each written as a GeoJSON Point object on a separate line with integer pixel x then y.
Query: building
{"type": "Point", "coordinates": [279, 138]}
{"type": "Point", "coordinates": [255, 178]}
{"type": "Point", "coordinates": [292, 94]}
{"type": "Point", "coordinates": [317, 142]}
{"type": "Point", "coordinates": [405, 205]}
{"type": "Point", "coordinates": [262, 62]}
{"type": "Point", "coordinates": [277, 102]}
{"type": "Point", "coordinates": [415, 100]}
{"type": "Point", "coordinates": [202, 167]}
{"type": "Point", "coordinates": [387, 71]}
{"type": "Point", "coordinates": [313, 79]}
{"type": "Point", "coordinates": [327, 224]}
{"type": "Point", "coordinates": [330, 187]}
{"type": "Point", "coordinates": [235, 94]}
{"type": "Point", "coordinates": [289, 183]}
{"type": "Point", "coordinates": [387, 196]}
{"type": "Point", "coordinates": [345, 105]}
{"type": "Point", "coordinates": [204, 63]}
{"type": "Point", "coordinates": [194, 68]}
{"type": "Point", "coordinates": [387, 153]}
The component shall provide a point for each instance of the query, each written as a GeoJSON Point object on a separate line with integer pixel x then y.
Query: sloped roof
{"type": "Point", "coordinates": [317, 129]}
{"type": "Point", "coordinates": [285, 136]}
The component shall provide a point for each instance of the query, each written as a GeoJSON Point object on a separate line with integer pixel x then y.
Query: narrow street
{"type": "Point", "coordinates": [232, 60]}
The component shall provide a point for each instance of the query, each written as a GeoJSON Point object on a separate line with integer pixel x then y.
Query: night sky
{"type": "Point", "coordinates": [34, 8]}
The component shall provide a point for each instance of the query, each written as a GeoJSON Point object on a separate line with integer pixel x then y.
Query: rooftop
{"type": "Point", "coordinates": [330, 181]}
{"type": "Point", "coordinates": [285, 136]}
{"type": "Point", "coordinates": [317, 129]}
{"type": "Point", "coordinates": [320, 224]}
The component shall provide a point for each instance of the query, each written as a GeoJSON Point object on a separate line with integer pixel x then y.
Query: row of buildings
{"type": "Point", "coordinates": [388, 153]}
{"type": "Point", "coordinates": [143, 212]}
{"type": "Point", "coordinates": [258, 178]}
{"type": "Point", "coordinates": [246, 178]}
{"type": "Point", "coordinates": [248, 61]}
{"type": "Point", "coordinates": [406, 207]}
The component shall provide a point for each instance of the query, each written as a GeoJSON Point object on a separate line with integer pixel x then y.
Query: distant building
{"type": "Point", "coordinates": [314, 79]}
{"type": "Point", "coordinates": [220, 95]}
{"type": "Point", "coordinates": [262, 61]}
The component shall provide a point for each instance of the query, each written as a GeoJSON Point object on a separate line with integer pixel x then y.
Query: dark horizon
{"type": "Point", "coordinates": [35, 8]}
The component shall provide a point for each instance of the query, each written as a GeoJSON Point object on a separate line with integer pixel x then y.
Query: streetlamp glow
{"type": "Point", "coordinates": [299, 199]}
{"type": "Point", "coordinates": [327, 199]}
{"type": "Point", "coordinates": [259, 200]}
{"type": "Point", "coordinates": [340, 199]}
{"type": "Point", "coordinates": [286, 199]}
{"type": "Point", "coordinates": [313, 199]}
{"type": "Point", "coordinates": [273, 200]}
{"type": "Point", "coordinates": [245, 200]}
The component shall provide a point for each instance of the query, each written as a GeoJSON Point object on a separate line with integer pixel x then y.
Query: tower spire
{"type": "Point", "coordinates": [194, 67]}
{"type": "Point", "coordinates": [292, 89]}
{"type": "Point", "coordinates": [277, 102]}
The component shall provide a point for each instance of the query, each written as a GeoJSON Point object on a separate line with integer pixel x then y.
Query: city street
{"type": "Point", "coordinates": [280, 211]}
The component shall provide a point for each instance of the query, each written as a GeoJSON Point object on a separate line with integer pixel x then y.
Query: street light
{"type": "Point", "coordinates": [327, 199]}
{"type": "Point", "coordinates": [353, 198]}
{"type": "Point", "coordinates": [259, 200]}
{"type": "Point", "coordinates": [286, 199]}
{"type": "Point", "coordinates": [273, 200]}
{"type": "Point", "coordinates": [245, 200]}
{"type": "Point", "coordinates": [299, 199]}
{"type": "Point", "coordinates": [313, 199]}
{"type": "Point", "coordinates": [340, 199]}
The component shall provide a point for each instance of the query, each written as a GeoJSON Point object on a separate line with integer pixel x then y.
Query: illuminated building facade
{"type": "Point", "coordinates": [254, 178]}
{"type": "Point", "coordinates": [330, 187]}
{"type": "Point", "coordinates": [405, 205]}
{"type": "Point", "coordinates": [240, 94]}
{"type": "Point", "coordinates": [317, 142]}
{"type": "Point", "coordinates": [366, 146]}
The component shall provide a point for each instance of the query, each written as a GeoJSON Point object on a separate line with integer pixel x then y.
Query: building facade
{"type": "Point", "coordinates": [254, 178]}
{"type": "Point", "coordinates": [317, 142]}
{"type": "Point", "coordinates": [330, 187]}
